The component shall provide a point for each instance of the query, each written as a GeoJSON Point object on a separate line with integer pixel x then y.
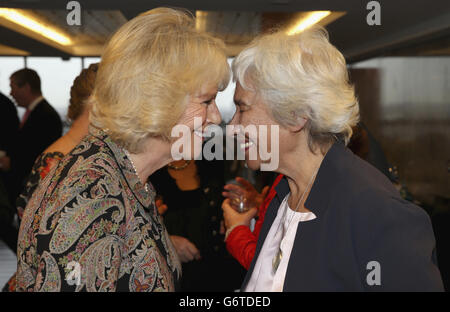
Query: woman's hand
{"type": "Point", "coordinates": [162, 208]}
{"type": "Point", "coordinates": [253, 199]}
{"type": "Point", "coordinates": [233, 218]}
{"type": "Point", "coordinates": [185, 249]}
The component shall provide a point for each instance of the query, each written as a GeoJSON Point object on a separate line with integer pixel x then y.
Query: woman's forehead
{"type": "Point", "coordinates": [207, 90]}
{"type": "Point", "coordinates": [243, 96]}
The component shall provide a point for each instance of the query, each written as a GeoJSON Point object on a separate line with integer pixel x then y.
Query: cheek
{"type": "Point", "coordinates": [191, 113]}
{"type": "Point", "coordinates": [246, 118]}
{"type": "Point", "coordinates": [286, 142]}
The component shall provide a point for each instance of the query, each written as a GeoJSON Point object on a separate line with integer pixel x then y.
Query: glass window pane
{"type": "Point", "coordinates": [89, 60]}
{"type": "Point", "coordinates": [57, 76]}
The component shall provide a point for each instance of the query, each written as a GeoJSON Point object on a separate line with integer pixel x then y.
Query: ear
{"type": "Point", "coordinates": [301, 122]}
{"type": "Point", "coordinates": [27, 87]}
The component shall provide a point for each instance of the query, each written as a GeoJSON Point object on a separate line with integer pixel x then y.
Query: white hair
{"type": "Point", "coordinates": [302, 75]}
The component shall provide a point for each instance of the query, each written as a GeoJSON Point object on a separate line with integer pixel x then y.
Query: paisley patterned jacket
{"type": "Point", "coordinates": [92, 226]}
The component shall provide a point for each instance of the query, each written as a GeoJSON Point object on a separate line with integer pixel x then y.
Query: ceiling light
{"type": "Point", "coordinates": [308, 20]}
{"type": "Point", "coordinates": [30, 23]}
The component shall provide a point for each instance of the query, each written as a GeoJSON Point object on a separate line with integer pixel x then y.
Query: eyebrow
{"type": "Point", "coordinates": [206, 96]}
{"type": "Point", "coordinates": [240, 102]}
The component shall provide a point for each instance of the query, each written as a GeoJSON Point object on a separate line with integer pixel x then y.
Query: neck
{"type": "Point", "coordinates": [79, 128]}
{"type": "Point", "coordinates": [151, 159]}
{"type": "Point", "coordinates": [31, 99]}
{"type": "Point", "coordinates": [300, 173]}
{"type": "Point", "coordinates": [179, 162]}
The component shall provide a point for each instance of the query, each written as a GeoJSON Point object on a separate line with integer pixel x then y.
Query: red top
{"type": "Point", "coordinates": [241, 242]}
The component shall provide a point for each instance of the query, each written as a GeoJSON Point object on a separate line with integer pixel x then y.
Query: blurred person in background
{"type": "Point", "coordinates": [9, 125]}
{"type": "Point", "coordinates": [40, 125]}
{"type": "Point", "coordinates": [192, 192]}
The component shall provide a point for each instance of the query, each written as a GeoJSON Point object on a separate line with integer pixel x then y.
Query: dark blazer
{"type": "Point", "coordinates": [360, 218]}
{"type": "Point", "coordinates": [9, 123]}
{"type": "Point", "coordinates": [41, 129]}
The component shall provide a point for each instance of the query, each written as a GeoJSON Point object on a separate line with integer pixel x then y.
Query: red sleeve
{"type": "Point", "coordinates": [241, 242]}
{"type": "Point", "coordinates": [265, 205]}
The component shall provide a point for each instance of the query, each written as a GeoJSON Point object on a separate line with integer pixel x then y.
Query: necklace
{"type": "Point", "coordinates": [279, 255]}
{"type": "Point", "coordinates": [135, 170]}
{"type": "Point", "coordinates": [187, 162]}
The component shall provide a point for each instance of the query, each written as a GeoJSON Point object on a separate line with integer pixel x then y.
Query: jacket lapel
{"type": "Point", "coordinates": [282, 189]}
{"type": "Point", "coordinates": [317, 201]}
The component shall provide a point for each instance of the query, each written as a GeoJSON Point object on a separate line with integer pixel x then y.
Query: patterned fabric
{"type": "Point", "coordinates": [92, 213]}
{"type": "Point", "coordinates": [41, 168]}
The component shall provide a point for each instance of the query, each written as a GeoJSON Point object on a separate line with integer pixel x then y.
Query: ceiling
{"type": "Point", "coordinates": [419, 27]}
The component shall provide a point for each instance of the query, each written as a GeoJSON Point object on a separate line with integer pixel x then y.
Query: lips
{"type": "Point", "coordinates": [199, 133]}
{"type": "Point", "coordinates": [246, 144]}
{"type": "Point", "coordinates": [207, 132]}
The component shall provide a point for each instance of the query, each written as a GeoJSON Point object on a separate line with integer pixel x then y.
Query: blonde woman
{"type": "Point", "coordinates": [335, 223]}
{"type": "Point", "coordinates": [92, 225]}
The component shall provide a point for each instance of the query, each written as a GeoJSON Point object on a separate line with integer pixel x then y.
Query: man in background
{"type": "Point", "coordinates": [9, 124]}
{"type": "Point", "coordinates": [39, 127]}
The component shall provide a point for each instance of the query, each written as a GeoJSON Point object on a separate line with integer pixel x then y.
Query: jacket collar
{"type": "Point", "coordinates": [327, 176]}
{"type": "Point", "coordinates": [36, 101]}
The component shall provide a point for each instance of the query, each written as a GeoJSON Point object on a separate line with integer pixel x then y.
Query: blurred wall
{"type": "Point", "coordinates": [405, 102]}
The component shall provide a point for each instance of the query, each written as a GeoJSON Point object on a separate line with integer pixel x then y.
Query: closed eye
{"type": "Point", "coordinates": [210, 101]}
{"type": "Point", "coordinates": [242, 107]}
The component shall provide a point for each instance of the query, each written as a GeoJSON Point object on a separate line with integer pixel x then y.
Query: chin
{"type": "Point", "coordinates": [196, 156]}
{"type": "Point", "coordinates": [253, 164]}
{"type": "Point", "coordinates": [196, 152]}
{"type": "Point", "coordinates": [196, 147]}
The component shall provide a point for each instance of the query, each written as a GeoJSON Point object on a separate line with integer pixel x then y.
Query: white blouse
{"type": "Point", "coordinates": [263, 277]}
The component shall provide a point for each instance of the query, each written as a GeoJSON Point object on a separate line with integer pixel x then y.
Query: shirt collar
{"type": "Point", "coordinates": [35, 103]}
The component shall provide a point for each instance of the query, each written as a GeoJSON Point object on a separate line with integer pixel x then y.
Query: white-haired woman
{"type": "Point", "coordinates": [92, 224]}
{"type": "Point", "coordinates": [336, 223]}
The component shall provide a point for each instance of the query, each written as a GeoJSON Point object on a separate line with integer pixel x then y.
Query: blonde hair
{"type": "Point", "coordinates": [302, 75]}
{"type": "Point", "coordinates": [149, 68]}
{"type": "Point", "coordinates": [81, 90]}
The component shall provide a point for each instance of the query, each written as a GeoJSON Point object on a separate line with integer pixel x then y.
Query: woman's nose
{"type": "Point", "coordinates": [236, 117]}
{"type": "Point", "coordinates": [213, 114]}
